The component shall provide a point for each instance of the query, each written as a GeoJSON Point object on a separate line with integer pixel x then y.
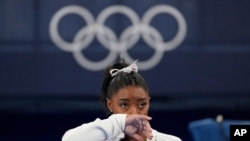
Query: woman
{"type": "Point", "coordinates": [126, 99]}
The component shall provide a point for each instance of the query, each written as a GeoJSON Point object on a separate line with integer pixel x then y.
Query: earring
{"type": "Point", "coordinates": [110, 110]}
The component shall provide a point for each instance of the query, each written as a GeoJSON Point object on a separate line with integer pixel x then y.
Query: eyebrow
{"type": "Point", "coordinates": [125, 99]}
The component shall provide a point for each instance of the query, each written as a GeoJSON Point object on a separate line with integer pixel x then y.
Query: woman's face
{"type": "Point", "coordinates": [129, 100]}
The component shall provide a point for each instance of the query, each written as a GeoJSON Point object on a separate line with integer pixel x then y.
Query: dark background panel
{"type": "Point", "coordinates": [215, 49]}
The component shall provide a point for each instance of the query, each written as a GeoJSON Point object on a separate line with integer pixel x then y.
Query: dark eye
{"type": "Point", "coordinates": [124, 105]}
{"type": "Point", "coordinates": [142, 105]}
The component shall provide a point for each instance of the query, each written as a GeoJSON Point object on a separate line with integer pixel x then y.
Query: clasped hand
{"type": "Point", "coordinates": [138, 123]}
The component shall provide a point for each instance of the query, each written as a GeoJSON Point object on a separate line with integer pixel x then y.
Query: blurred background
{"type": "Point", "coordinates": [193, 54]}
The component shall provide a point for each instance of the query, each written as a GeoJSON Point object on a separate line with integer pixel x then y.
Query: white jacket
{"type": "Point", "coordinates": [110, 129]}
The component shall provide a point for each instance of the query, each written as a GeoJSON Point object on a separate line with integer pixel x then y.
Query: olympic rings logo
{"type": "Point", "coordinates": [108, 39]}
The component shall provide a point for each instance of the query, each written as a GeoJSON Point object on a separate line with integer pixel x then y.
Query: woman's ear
{"type": "Point", "coordinates": [109, 104]}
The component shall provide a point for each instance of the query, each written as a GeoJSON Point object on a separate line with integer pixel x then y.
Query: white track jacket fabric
{"type": "Point", "coordinates": [110, 129]}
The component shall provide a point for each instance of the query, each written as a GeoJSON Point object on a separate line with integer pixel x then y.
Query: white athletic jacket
{"type": "Point", "coordinates": [110, 129]}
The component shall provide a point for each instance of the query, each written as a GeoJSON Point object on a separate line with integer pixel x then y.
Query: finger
{"type": "Point", "coordinates": [142, 125]}
{"type": "Point", "coordinates": [139, 124]}
{"type": "Point", "coordinates": [147, 130]}
{"type": "Point", "coordinates": [148, 126]}
{"type": "Point", "coordinates": [140, 121]}
{"type": "Point", "coordinates": [137, 137]}
{"type": "Point", "coordinates": [148, 135]}
{"type": "Point", "coordinates": [144, 117]}
{"type": "Point", "coordinates": [131, 118]}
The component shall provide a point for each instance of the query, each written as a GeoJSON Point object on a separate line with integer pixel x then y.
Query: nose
{"type": "Point", "coordinates": [133, 110]}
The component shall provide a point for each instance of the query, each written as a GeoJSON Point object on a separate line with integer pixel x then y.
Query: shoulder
{"type": "Point", "coordinates": [164, 137]}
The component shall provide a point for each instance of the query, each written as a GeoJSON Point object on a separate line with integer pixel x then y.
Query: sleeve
{"type": "Point", "coordinates": [165, 137]}
{"type": "Point", "coordinates": [98, 130]}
